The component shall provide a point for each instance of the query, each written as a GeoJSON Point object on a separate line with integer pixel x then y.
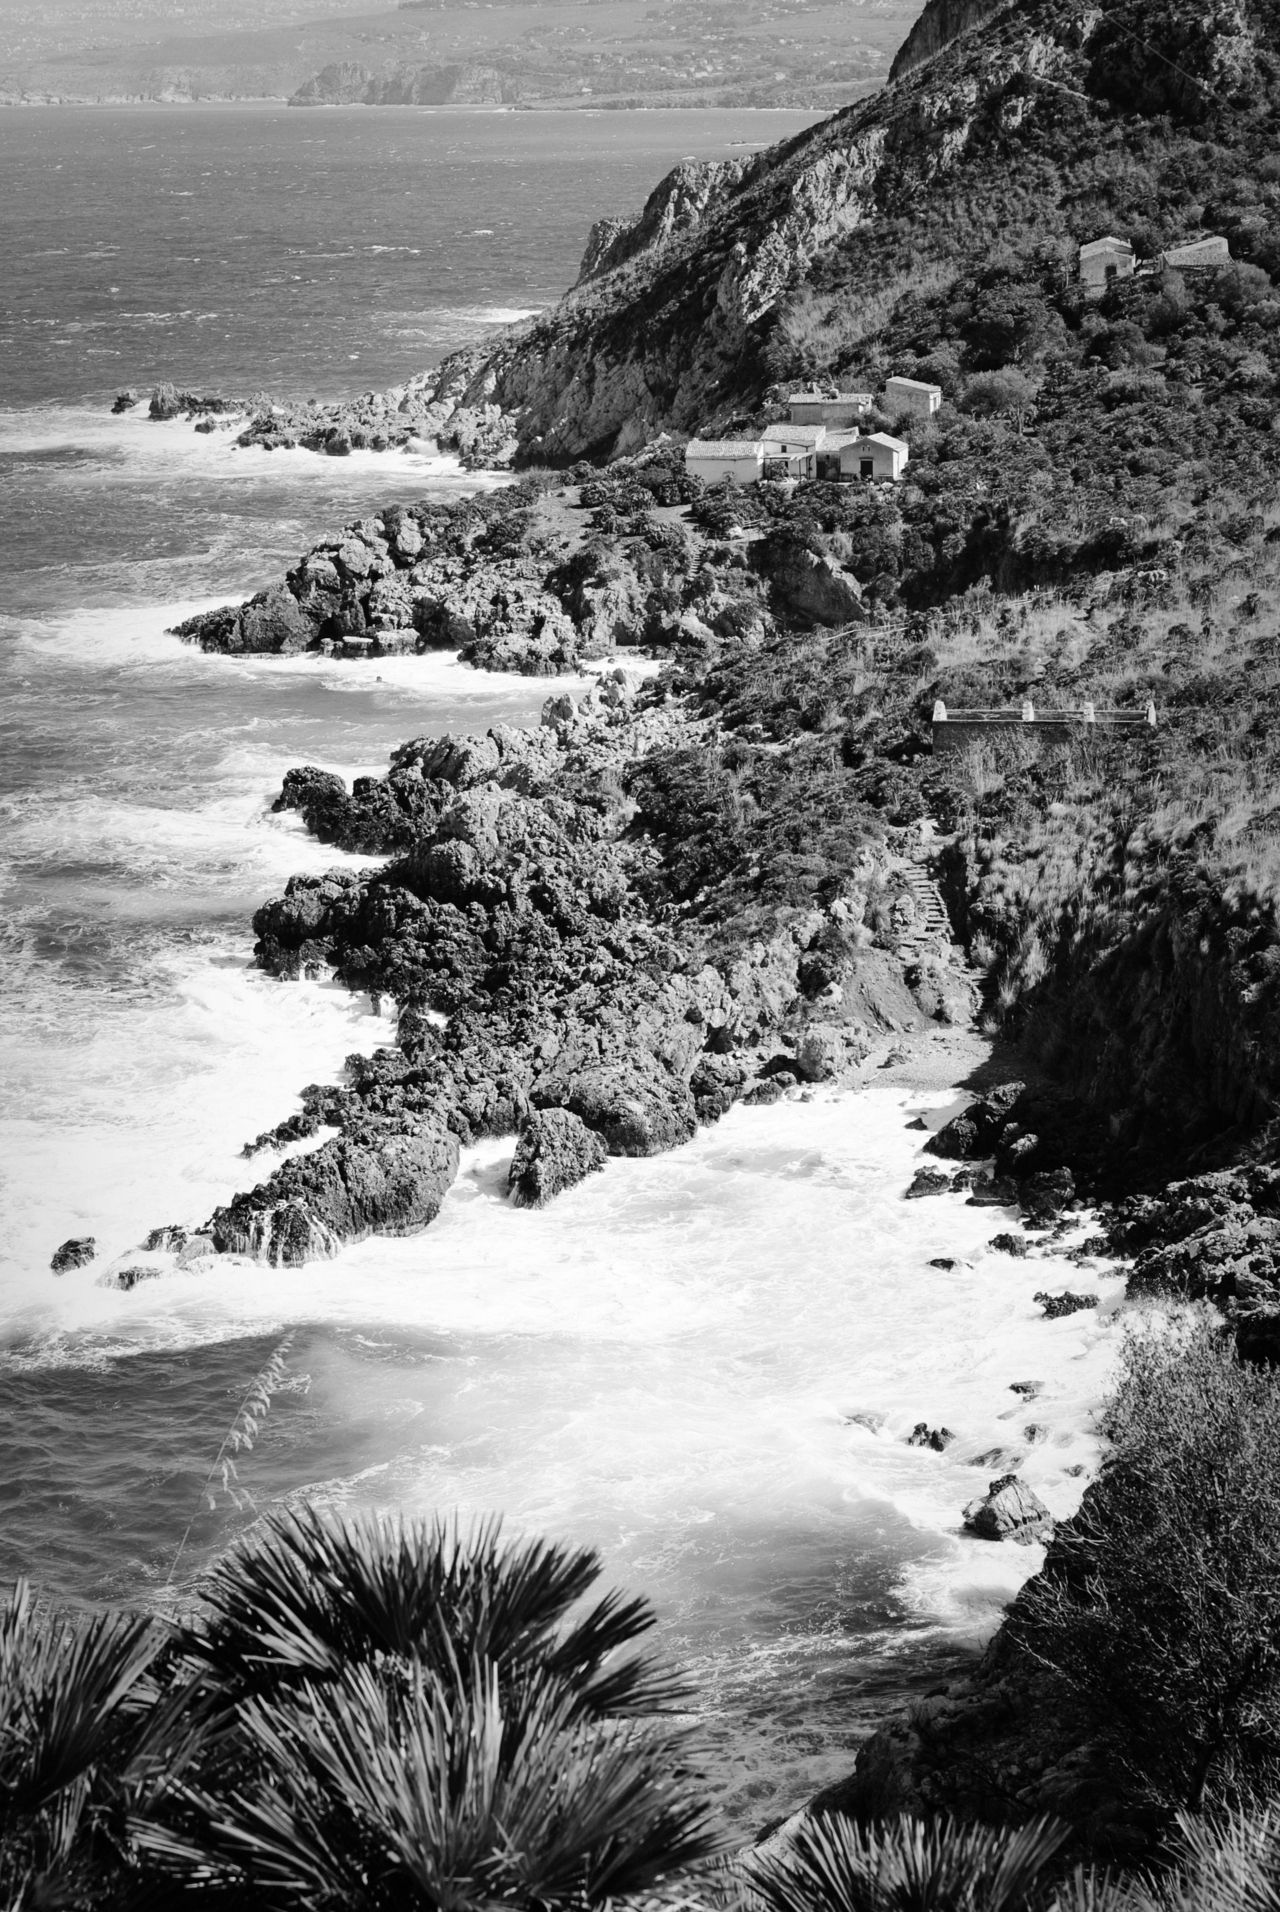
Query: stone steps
{"type": "Point", "coordinates": [932, 924]}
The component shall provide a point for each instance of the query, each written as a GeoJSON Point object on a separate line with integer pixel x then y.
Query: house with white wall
{"type": "Point", "coordinates": [1103, 261]}
{"type": "Point", "coordinates": [794, 446]}
{"type": "Point", "coordinates": [872, 457]}
{"type": "Point", "coordinates": [713, 459]}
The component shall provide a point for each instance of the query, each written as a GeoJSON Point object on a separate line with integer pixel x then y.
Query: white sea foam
{"type": "Point", "coordinates": [681, 1346]}
{"type": "Point", "coordinates": [133, 442]}
{"type": "Point", "coordinates": [141, 635]}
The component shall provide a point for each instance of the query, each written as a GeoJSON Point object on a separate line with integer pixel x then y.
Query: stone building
{"type": "Point", "coordinates": [1198, 255]}
{"type": "Point", "coordinates": [911, 395]}
{"type": "Point", "coordinates": [821, 408]}
{"type": "Point", "coordinates": [1103, 261]}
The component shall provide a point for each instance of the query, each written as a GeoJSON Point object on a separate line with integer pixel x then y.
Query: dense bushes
{"type": "Point", "coordinates": [1159, 1604]}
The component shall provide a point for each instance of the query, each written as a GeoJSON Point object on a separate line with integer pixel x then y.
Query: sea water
{"type": "Point", "coordinates": [708, 1364]}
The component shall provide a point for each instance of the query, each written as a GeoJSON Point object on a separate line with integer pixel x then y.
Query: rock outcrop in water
{"type": "Point", "coordinates": [77, 1252]}
{"type": "Point", "coordinates": [388, 1182]}
{"type": "Point", "coordinates": [516, 580]}
{"type": "Point", "coordinates": [555, 1151]}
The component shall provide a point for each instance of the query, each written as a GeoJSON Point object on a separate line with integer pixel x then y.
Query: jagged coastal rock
{"type": "Point", "coordinates": [522, 901]}
{"type": "Point", "coordinates": [556, 1149]}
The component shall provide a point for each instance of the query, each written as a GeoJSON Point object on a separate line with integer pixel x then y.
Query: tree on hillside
{"type": "Point", "coordinates": [1007, 393]}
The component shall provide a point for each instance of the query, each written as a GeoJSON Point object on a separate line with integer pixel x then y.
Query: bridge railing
{"type": "Point", "coordinates": [1028, 714]}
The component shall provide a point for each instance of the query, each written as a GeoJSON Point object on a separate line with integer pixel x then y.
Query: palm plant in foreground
{"type": "Point", "coordinates": [832, 1864]}
{"type": "Point", "coordinates": [401, 1716]}
{"type": "Point", "coordinates": [78, 1718]}
{"type": "Point", "coordinates": [311, 1598]}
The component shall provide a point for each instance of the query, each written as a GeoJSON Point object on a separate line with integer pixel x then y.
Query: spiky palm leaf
{"type": "Point", "coordinates": [76, 1710]}
{"type": "Point", "coordinates": [831, 1864]}
{"type": "Point", "coordinates": [309, 1597]}
{"type": "Point", "coordinates": [1227, 1863]}
{"type": "Point", "coordinates": [448, 1794]}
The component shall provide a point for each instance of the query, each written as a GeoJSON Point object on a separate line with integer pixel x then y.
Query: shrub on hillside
{"type": "Point", "coordinates": [1159, 1603]}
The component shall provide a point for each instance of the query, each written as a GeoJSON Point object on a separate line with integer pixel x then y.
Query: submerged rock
{"type": "Point", "coordinates": [937, 1438]}
{"type": "Point", "coordinates": [1064, 1304]}
{"type": "Point", "coordinates": [927, 1181]}
{"type": "Point", "coordinates": [555, 1150]}
{"type": "Point", "coordinates": [170, 1238]}
{"type": "Point", "coordinates": [76, 1252]}
{"type": "Point", "coordinates": [1009, 1510]}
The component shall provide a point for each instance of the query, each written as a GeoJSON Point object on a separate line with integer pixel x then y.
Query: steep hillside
{"type": "Point", "coordinates": [1044, 129]}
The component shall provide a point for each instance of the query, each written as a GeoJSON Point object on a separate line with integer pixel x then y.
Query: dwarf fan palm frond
{"type": "Point", "coordinates": [1227, 1863]}
{"type": "Point", "coordinates": [444, 1794]}
{"type": "Point", "coordinates": [311, 1597]}
{"type": "Point", "coordinates": [76, 1709]}
{"type": "Point", "coordinates": [831, 1864]}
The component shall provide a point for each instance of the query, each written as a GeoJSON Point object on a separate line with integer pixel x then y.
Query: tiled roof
{"type": "Point", "coordinates": [724, 448]}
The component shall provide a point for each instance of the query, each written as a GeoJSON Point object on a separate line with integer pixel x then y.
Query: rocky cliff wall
{"type": "Point", "coordinates": [941, 22]}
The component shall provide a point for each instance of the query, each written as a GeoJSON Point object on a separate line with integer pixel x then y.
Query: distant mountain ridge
{"type": "Point", "coordinates": [628, 53]}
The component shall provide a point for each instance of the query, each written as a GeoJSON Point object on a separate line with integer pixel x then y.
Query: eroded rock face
{"type": "Point", "coordinates": [345, 1191]}
{"type": "Point", "coordinates": [555, 1150]}
{"type": "Point", "coordinates": [637, 1107]}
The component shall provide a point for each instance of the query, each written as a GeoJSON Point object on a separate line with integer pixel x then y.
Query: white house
{"type": "Point", "coordinates": [820, 408]}
{"type": "Point", "coordinates": [1199, 255]}
{"type": "Point", "coordinates": [911, 395]}
{"type": "Point", "coordinates": [1103, 261]}
{"type": "Point", "coordinates": [794, 446]}
{"type": "Point", "coordinates": [713, 459]}
{"type": "Point", "coordinates": [874, 457]}
{"type": "Point", "coordinates": [826, 464]}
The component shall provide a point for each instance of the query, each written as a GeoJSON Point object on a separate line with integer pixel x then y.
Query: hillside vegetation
{"type": "Point", "coordinates": [1040, 130]}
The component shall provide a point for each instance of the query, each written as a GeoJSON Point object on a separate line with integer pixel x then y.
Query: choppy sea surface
{"type": "Point", "coordinates": [708, 1363]}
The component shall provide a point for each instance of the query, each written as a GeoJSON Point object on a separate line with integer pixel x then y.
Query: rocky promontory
{"type": "Point", "coordinates": [547, 988]}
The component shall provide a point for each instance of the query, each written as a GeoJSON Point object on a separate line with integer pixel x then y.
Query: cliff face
{"type": "Point", "coordinates": [676, 208]}
{"type": "Point", "coordinates": [683, 316]}
{"type": "Point", "coordinates": [941, 22]}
